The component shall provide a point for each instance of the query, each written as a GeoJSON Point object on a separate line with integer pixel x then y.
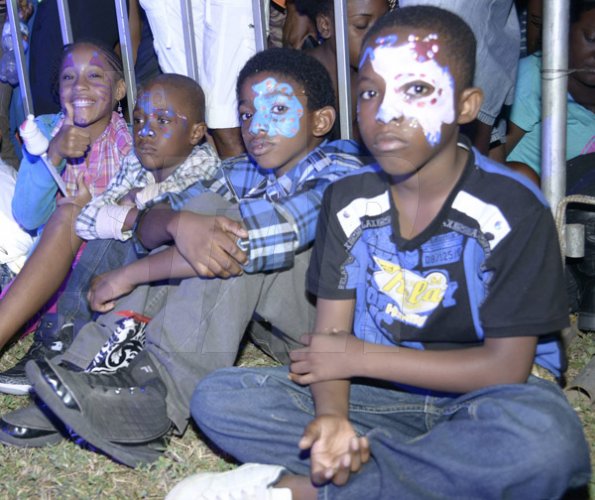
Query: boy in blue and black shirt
{"type": "Point", "coordinates": [439, 279]}
{"type": "Point", "coordinates": [253, 224]}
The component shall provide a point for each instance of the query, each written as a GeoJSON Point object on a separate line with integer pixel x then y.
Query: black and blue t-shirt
{"type": "Point", "coordinates": [488, 265]}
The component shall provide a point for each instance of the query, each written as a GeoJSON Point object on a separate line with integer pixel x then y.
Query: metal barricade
{"type": "Point", "coordinates": [554, 79]}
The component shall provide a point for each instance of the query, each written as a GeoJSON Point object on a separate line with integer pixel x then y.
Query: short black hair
{"type": "Point", "coordinates": [578, 8]}
{"type": "Point", "coordinates": [297, 65]}
{"type": "Point", "coordinates": [189, 90]}
{"type": "Point", "coordinates": [312, 8]}
{"type": "Point", "coordinates": [454, 33]}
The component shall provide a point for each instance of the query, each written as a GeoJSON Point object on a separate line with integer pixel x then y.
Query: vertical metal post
{"type": "Point", "coordinates": [17, 43]}
{"type": "Point", "coordinates": [343, 77]}
{"type": "Point", "coordinates": [554, 99]}
{"type": "Point", "coordinates": [189, 39]}
{"type": "Point", "coordinates": [65, 24]}
{"type": "Point", "coordinates": [260, 32]}
{"type": "Point", "coordinates": [127, 57]}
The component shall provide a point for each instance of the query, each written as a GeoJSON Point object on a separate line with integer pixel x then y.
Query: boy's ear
{"type": "Point", "coordinates": [197, 132]}
{"type": "Point", "coordinates": [324, 119]}
{"type": "Point", "coordinates": [324, 25]}
{"type": "Point", "coordinates": [120, 90]}
{"type": "Point", "coordinates": [469, 104]}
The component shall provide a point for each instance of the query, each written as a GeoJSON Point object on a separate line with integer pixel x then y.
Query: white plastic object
{"type": "Point", "coordinates": [37, 144]}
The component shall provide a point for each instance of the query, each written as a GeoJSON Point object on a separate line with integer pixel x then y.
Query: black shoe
{"type": "Point", "coordinates": [122, 414]}
{"type": "Point", "coordinates": [35, 426]}
{"type": "Point", "coordinates": [30, 427]}
{"type": "Point", "coordinates": [48, 341]}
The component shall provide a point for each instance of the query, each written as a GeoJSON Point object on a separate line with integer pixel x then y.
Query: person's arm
{"type": "Point", "coordinates": [335, 448]}
{"type": "Point", "coordinates": [506, 360]}
{"type": "Point", "coordinates": [160, 221]}
{"type": "Point", "coordinates": [515, 134]}
{"type": "Point", "coordinates": [525, 121]}
{"type": "Point", "coordinates": [108, 287]}
{"type": "Point", "coordinates": [35, 192]}
{"type": "Point", "coordinates": [104, 217]}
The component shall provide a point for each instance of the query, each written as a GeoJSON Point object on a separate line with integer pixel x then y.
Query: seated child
{"type": "Point", "coordinates": [88, 137]}
{"type": "Point", "coordinates": [361, 15]}
{"type": "Point", "coordinates": [169, 127]}
{"type": "Point", "coordinates": [271, 196]}
{"type": "Point", "coordinates": [524, 140]}
{"type": "Point", "coordinates": [446, 268]}
{"type": "Point", "coordinates": [87, 142]}
{"type": "Point", "coordinates": [167, 157]}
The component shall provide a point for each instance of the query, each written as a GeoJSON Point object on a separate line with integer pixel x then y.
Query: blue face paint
{"type": "Point", "coordinates": [381, 41]}
{"type": "Point", "coordinates": [277, 109]}
{"type": "Point", "coordinates": [157, 114]}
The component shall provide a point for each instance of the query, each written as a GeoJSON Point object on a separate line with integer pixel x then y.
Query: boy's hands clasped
{"type": "Point", "coordinates": [209, 244]}
{"type": "Point", "coordinates": [335, 449]}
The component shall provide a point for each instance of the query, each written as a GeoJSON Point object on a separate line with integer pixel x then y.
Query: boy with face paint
{"type": "Point", "coordinates": [431, 310]}
{"type": "Point", "coordinates": [169, 156]}
{"type": "Point", "coordinates": [253, 223]}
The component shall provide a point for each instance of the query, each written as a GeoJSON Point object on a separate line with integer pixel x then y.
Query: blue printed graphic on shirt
{"type": "Point", "coordinates": [399, 288]}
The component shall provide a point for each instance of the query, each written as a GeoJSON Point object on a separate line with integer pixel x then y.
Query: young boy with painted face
{"type": "Point", "coordinates": [438, 277]}
{"type": "Point", "coordinates": [272, 196]}
{"type": "Point", "coordinates": [169, 156]}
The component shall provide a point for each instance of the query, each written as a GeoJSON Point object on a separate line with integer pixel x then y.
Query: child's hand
{"type": "Point", "coordinates": [106, 288]}
{"type": "Point", "coordinates": [209, 244]}
{"type": "Point", "coordinates": [335, 449]}
{"type": "Point", "coordinates": [83, 195]}
{"type": "Point", "coordinates": [326, 356]}
{"type": "Point", "coordinates": [70, 142]}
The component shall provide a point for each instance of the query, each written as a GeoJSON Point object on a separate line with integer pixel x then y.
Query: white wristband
{"type": "Point", "coordinates": [110, 220]}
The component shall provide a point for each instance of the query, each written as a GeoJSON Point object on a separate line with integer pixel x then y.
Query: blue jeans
{"type": "Point", "coordinates": [509, 441]}
{"type": "Point", "coordinates": [99, 256]}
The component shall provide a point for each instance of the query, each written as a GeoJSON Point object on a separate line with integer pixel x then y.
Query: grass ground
{"type": "Point", "coordinates": [66, 471]}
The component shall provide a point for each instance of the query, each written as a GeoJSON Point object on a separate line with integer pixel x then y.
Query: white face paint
{"type": "Point", "coordinates": [424, 94]}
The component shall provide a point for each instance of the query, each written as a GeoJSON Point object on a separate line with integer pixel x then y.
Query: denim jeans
{"type": "Point", "coordinates": [99, 256]}
{"type": "Point", "coordinates": [510, 441]}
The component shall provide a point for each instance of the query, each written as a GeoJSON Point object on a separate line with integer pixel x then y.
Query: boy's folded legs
{"type": "Point", "coordinates": [438, 447]}
{"type": "Point", "coordinates": [218, 310]}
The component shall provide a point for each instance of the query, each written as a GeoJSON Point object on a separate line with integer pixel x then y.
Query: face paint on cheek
{"type": "Point", "coordinates": [277, 109]}
{"type": "Point", "coordinates": [400, 101]}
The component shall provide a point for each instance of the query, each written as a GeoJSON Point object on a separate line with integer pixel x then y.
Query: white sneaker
{"type": "Point", "coordinates": [248, 482]}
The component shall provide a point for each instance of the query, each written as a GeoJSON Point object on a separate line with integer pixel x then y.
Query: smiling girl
{"type": "Point", "coordinates": [87, 137]}
{"type": "Point", "coordinates": [88, 141]}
